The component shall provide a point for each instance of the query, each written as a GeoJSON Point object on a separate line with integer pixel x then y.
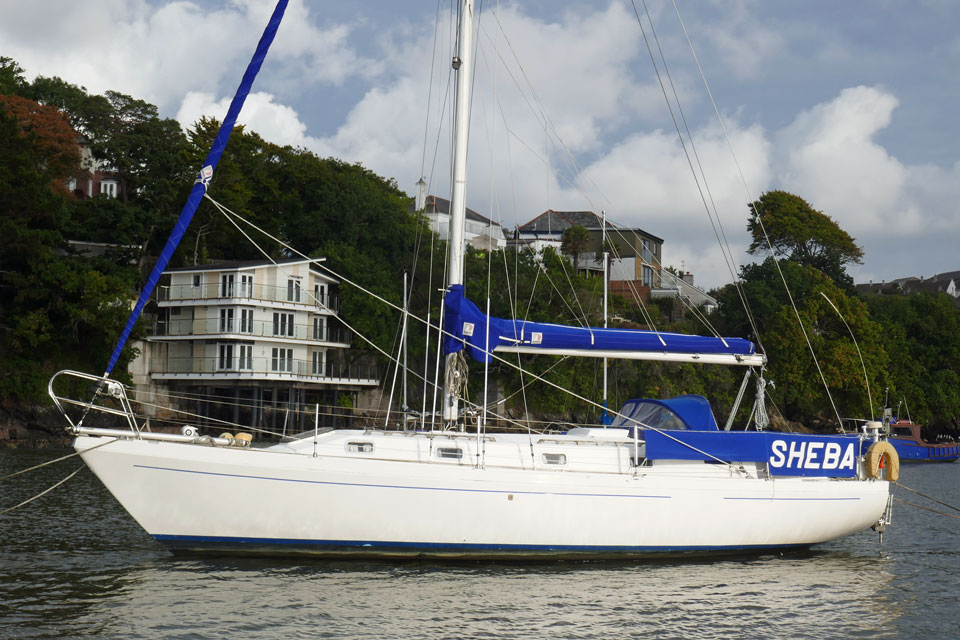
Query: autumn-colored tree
{"type": "Point", "coordinates": [797, 231]}
{"type": "Point", "coordinates": [55, 142]}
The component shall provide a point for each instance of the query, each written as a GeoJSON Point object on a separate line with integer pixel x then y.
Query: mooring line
{"type": "Point", "coordinates": [930, 498]}
{"type": "Point", "coordinates": [918, 506]}
{"type": "Point", "coordinates": [43, 493]}
{"type": "Point", "coordinates": [69, 455]}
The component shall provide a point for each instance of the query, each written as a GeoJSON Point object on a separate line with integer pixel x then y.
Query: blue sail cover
{"type": "Point", "coordinates": [465, 324]}
{"type": "Point", "coordinates": [200, 186]}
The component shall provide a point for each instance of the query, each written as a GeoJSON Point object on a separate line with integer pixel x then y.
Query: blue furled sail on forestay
{"type": "Point", "coordinates": [203, 179]}
{"type": "Point", "coordinates": [466, 325]}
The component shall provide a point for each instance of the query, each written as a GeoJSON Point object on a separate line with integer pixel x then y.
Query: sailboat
{"type": "Point", "coordinates": [662, 478]}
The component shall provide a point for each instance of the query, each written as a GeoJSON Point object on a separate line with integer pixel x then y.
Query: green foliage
{"type": "Point", "coordinates": [576, 239]}
{"type": "Point", "coordinates": [12, 82]}
{"type": "Point", "coordinates": [799, 391]}
{"type": "Point", "coordinates": [56, 310]}
{"type": "Point", "coordinates": [921, 332]}
{"type": "Point", "coordinates": [801, 233]}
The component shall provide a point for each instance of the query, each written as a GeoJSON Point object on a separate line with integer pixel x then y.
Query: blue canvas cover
{"type": "Point", "coordinates": [683, 412]}
{"type": "Point", "coordinates": [466, 325]}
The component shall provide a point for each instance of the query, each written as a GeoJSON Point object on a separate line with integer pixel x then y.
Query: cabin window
{"type": "Point", "coordinates": [450, 453]}
{"type": "Point", "coordinates": [554, 458]}
{"type": "Point", "coordinates": [359, 447]}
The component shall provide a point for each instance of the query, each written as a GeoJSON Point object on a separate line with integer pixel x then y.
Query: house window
{"type": "Point", "coordinates": [647, 276]}
{"type": "Point", "coordinates": [319, 328]}
{"type": "Point", "coordinates": [108, 188]}
{"type": "Point", "coordinates": [319, 360]}
{"type": "Point", "coordinates": [646, 250]}
{"type": "Point", "coordinates": [246, 286]}
{"type": "Point", "coordinates": [72, 184]}
{"type": "Point", "coordinates": [226, 285]}
{"type": "Point", "coordinates": [282, 324]}
{"type": "Point", "coordinates": [196, 280]}
{"type": "Point", "coordinates": [293, 290]}
{"type": "Point", "coordinates": [319, 295]}
{"type": "Point", "coordinates": [224, 357]}
{"type": "Point", "coordinates": [226, 320]}
{"type": "Point", "coordinates": [246, 320]}
{"type": "Point", "coordinates": [281, 359]}
{"type": "Point", "coordinates": [245, 360]}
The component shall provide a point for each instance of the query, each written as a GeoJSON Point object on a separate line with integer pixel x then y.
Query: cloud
{"type": "Point", "coordinates": [274, 122]}
{"type": "Point", "coordinates": [159, 53]}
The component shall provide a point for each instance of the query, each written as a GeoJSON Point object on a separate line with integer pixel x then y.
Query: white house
{"type": "Point", "coordinates": [266, 337]}
{"type": "Point", "coordinates": [480, 232]}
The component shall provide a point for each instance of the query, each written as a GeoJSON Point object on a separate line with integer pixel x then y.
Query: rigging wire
{"type": "Point", "coordinates": [762, 228]}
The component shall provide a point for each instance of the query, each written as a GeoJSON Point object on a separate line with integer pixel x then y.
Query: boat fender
{"type": "Point", "coordinates": [880, 453]}
{"type": "Point", "coordinates": [242, 439]}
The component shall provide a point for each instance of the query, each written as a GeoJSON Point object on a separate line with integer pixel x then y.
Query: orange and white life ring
{"type": "Point", "coordinates": [882, 455]}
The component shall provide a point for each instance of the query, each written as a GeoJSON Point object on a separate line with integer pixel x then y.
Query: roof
{"type": "Point", "coordinates": [435, 204]}
{"type": "Point", "coordinates": [556, 222]}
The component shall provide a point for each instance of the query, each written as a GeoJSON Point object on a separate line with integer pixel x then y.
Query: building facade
{"type": "Point", "coordinates": [253, 343]}
{"type": "Point", "coordinates": [636, 255]}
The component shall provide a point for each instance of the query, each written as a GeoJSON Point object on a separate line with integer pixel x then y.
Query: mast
{"type": "Point", "coordinates": [463, 65]}
{"type": "Point", "coordinates": [606, 285]}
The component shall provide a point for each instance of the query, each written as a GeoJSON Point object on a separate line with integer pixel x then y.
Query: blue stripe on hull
{"type": "Point", "coordinates": [437, 550]}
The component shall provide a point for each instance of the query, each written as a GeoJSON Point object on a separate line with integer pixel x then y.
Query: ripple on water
{"type": "Point", "coordinates": [73, 564]}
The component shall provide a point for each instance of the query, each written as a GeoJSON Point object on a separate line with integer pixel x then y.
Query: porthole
{"type": "Point", "coordinates": [359, 447]}
{"type": "Point", "coordinates": [554, 458]}
{"type": "Point", "coordinates": [450, 453]}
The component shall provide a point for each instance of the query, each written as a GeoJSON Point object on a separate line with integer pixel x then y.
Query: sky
{"type": "Point", "coordinates": [850, 105]}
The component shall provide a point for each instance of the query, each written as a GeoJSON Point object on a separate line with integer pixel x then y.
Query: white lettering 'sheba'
{"type": "Point", "coordinates": [807, 455]}
{"type": "Point", "coordinates": [778, 447]}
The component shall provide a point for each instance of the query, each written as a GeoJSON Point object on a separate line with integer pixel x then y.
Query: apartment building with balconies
{"type": "Point", "coordinates": [254, 343]}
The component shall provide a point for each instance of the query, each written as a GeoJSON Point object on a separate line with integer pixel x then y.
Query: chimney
{"type": "Point", "coordinates": [688, 278]}
{"type": "Point", "coordinates": [421, 201]}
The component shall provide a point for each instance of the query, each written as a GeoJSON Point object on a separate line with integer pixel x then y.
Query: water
{"type": "Point", "coordinates": [73, 565]}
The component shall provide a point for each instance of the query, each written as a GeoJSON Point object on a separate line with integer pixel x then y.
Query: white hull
{"type": "Point", "coordinates": [407, 502]}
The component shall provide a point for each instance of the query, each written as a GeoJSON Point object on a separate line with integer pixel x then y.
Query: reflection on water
{"type": "Point", "coordinates": [74, 564]}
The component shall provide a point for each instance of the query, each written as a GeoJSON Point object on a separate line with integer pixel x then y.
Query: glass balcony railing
{"type": "Point", "coordinates": [279, 328]}
{"type": "Point", "coordinates": [246, 291]}
{"type": "Point", "coordinates": [259, 367]}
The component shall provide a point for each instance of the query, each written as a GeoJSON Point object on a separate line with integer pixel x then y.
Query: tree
{"type": "Point", "coordinates": [800, 393]}
{"type": "Point", "coordinates": [12, 82]}
{"type": "Point", "coordinates": [56, 310]}
{"type": "Point", "coordinates": [54, 141]}
{"type": "Point", "coordinates": [801, 233]}
{"type": "Point", "coordinates": [576, 239]}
